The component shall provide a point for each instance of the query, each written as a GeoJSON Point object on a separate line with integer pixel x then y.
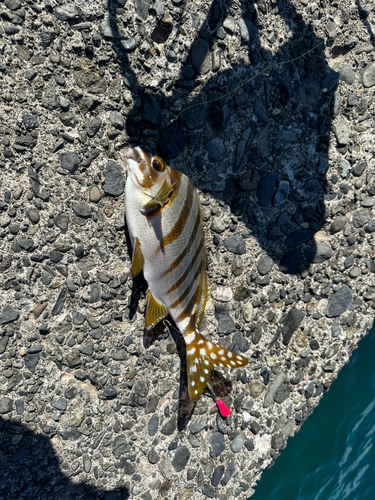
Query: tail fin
{"type": "Point", "coordinates": [202, 357]}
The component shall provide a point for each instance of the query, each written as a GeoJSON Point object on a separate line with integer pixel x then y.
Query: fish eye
{"type": "Point", "coordinates": [158, 164]}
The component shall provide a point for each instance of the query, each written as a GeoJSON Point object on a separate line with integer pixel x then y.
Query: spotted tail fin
{"type": "Point", "coordinates": [202, 357]}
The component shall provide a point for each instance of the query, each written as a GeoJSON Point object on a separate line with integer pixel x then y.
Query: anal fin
{"type": "Point", "coordinates": [138, 260]}
{"type": "Point", "coordinates": [155, 312]}
{"type": "Point", "coordinates": [202, 357]}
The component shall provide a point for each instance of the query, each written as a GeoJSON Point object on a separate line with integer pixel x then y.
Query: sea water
{"type": "Point", "coordinates": [332, 457]}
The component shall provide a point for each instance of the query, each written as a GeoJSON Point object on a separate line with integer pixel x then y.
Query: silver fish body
{"type": "Point", "coordinates": [164, 219]}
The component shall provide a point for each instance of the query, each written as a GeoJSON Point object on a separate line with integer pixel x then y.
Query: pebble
{"type": "Point", "coordinates": [266, 189]}
{"type": "Point", "coordinates": [342, 130]}
{"type": "Point", "coordinates": [94, 194]}
{"type": "Point", "coordinates": [264, 265]}
{"type": "Point", "coordinates": [361, 217]}
{"type": "Point", "coordinates": [235, 245]}
{"type": "Point", "coordinates": [153, 425]}
{"type": "Point", "coordinates": [347, 74]}
{"type": "Point", "coordinates": [153, 456]}
{"type": "Point", "coordinates": [67, 12]}
{"type": "Point", "coordinates": [217, 443]}
{"type": "Point", "coordinates": [217, 475]}
{"type": "Point", "coordinates": [69, 162]}
{"type": "Point", "coordinates": [222, 294]}
{"type": "Point", "coordinates": [229, 471]}
{"type": "Point", "coordinates": [81, 209]}
{"type": "Point", "coordinates": [339, 223]}
{"type": "Point", "coordinates": [339, 302]}
{"type": "Point", "coordinates": [272, 389]}
{"type": "Point", "coordinates": [256, 389]}
{"type": "Point", "coordinates": [319, 253]}
{"type": "Point", "coordinates": [291, 322]}
{"type": "Point", "coordinates": [368, 77]}
{"type": "Point", "coordinates": [181, 458]}
{"type": "Point", "coordinates": [8, 315]}
{"type": "Point", "coordinates": [226, 324]}
{"type": "Point", "coordinates": [216, 149]}
{"type": "Point", "coordinates": [6, 405]}
{"type": "Point", "coordinates": [169, 428]}
{"type": "Point", "coordinates": [201, 56]}
{"type": "Point", "coordinates": [248, 312]}
{"type": "Point", "coordinates": [198, 424]}
{"type": "Point", "coordinates": [117, 120]}
{"type": "Point", "coordinates": [238, 442]}
{"type": "Point", "coordinates": [114, 181]}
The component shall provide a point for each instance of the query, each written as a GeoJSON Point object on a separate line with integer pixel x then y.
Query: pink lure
{"type": "Point", "coordinates": [224, 411]}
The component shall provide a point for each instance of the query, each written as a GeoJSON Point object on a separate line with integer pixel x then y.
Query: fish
{"type": "Point", "coordinates": [164, 219]}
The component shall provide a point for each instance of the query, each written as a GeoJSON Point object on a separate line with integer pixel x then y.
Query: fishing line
{"type": "Point", "coordinates": [269, 68]}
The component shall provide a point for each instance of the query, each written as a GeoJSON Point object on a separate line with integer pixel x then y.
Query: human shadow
{"type": "Point", "coordinates": [261, 147]}
{"type": "Point", "coordinates": [30, 469]}
{"type": "Point", "coordinates": [273, 171]}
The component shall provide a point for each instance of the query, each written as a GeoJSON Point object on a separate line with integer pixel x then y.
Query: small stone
{"type": "Point", "coordinates": [114, 180]}
{"type": "Point", "coordinates": [222, 294]}
{"type": "Point", "coordinates": [81, 209]}
{"type": "Point", "coordinates": [339, 302]}
{"type": "Point", "coordinates": [26, 243]}
{"type": "Point", "coordinates": [248, 312]}
{"type": "Point", "coordinates": [260, 109]}
{"type": "Point", "coordinates": [67, 12]}
{"type": "Point", "coordinates": [120, 446]}
{"type": "Point", "coordinates": [264, 265]}
{"type": "Point", "coordinates": [229, 471]}
{"type": "Point", "coordinates": [33, 215]}
{"type": "Point", "coordinates": [291, 322]}
{"type": "Point", "coordinates": [153, 456]}
{"type": "Point", "coordinates": [6, 405]}
{"type": "Point", "coordinates": [110, 392]}
{"type": "Point", "coordinates": [342, 130]}
{"type": "Point", "coordinates": [117, 119]}
{"type": "Point", "coordinates": [266, 188]}
{"type": "Point", "coordinates": [226, 324]}
{"type": "Point", "coordinates": [141, 388]}
{"type": "Point", "coordinates": [272, 389]}
{"type": "Point", "coordinates": [198, 424]}
{"type": "Point", "coordinates": [153, 425]}
{"type": "Point", "coordinates": [319, 253]}
{"type": "Point", "coordinates": [347, 74]}
{"type": "Point", "coordinates": [201, 56]}
{"type": "Point", "coordinates": [361, 217]}
{"type": "Point", "coordinates": [69, 162]}
{"type": "Point", "coordinates": [73, 360]}
{"type": "Point", "coordinates": [216, 149]}
{"type": "Point", "coordinates": [60, 404]}
{"type": "Point", "coordinates": [86, 463]}
{"type": "Point", "coordinates": [78, 318]}
{"type": "Point", "coordinates": [8, 315]}
{"type": "Point", "coordinates": [344, 168]}
{"type": "Point", "coordinates": [282, 193]}
{"type": "Point", "coordinates": [235, 245]}
{"type": "Point", "coordinates": [368, 77]}
{"type": "Point", "coordinates": [256, 389]}
{"type": "Point", "coordinates": [339, 223]}
{"type": "Point", "coordinates": [181, 458]}
{"type": "Point", "coordinates": [217, 443]}
{"type": "Point", "coordinates": [169, 428]}
{"type": "Point", "coordinates": [278, 442]}
{"type": "Point", "coordinates": [282, 393]}
{"type": "Point", "coordinates": [31, 360]}
{"type": "Point", "coordinates": [217, 475]}
{"type": "Point", "coordinates": [129, 45]}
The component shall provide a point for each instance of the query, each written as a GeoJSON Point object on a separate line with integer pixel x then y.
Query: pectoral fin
{"type": "Point", "coordinates": [161, 198]}
{"type": "Point", "coordinates": [155, 312]}
{"type": "Point", "coordinates": [138, 260]}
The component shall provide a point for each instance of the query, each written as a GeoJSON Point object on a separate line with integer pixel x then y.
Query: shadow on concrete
{"type": "Point", "coordinates": [30, 469]}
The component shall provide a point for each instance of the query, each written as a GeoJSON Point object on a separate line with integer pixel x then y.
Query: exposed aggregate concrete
{"type": "Point", "coordinates": [285, 170]}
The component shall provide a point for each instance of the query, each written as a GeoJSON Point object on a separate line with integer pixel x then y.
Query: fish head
{"type": "Point", "coordinates": [148, 172]}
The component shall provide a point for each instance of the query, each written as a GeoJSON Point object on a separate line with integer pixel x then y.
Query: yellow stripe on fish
{"type": "Point", "coordinates": [164, 219]}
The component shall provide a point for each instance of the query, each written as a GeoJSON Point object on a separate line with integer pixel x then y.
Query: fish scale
{"type": "Point", "coordinates": [164, 218]}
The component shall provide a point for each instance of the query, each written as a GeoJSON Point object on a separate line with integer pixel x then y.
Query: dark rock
{"type": "Point", "coordinates": [88, 77]}
{"type": "Point", "coordinates": [6, 405]}
{"type": "Point", "coordinates": [217, 443]}
{"type": "Point", "coordinates": [198, 424]}
{"type": "Point", "coordinates": [114, 180]}
{"type": "Point", "coordinates": [87, 349]}
{"type": "Point", "coordinates": [78, 318]}
{"type": "Point", "coordinates": [229, 471]}
{"type": "Point", "coordinates": [266, 188]}
{"type": "Point", "coordinates": [117, 120]}
{"type": "Point", "coordinates": [361, 217]}
{"type": "Point", "coordinates": [217, 475]}
{"type": "Point", "coordinates": [129, 45]}
{"type": "Point", "coordinates": [59, 304]}
{"type": "Point", "coordinates": [339, 302]}
{"type": "Point", "coordinates": [33, 215]}
{"type": "Point", "coordinates": [282, 393]}
{"type": "Point", "coordinates": [339, 223]}
{"type": "Point", "coordinates": [201, 56]}
{"type": "Point", "coordinates": [120, 446]}
{"type": "Point", "coordinates": [278, 442]}
{"type": "Point", "coordinates": [347, 74]}
{"type": "Point", "coordinates": [319, 253]}
{"type": "Point", "coordinates": [153, 456]}
{"type": "Point", "coordinates": [226, 324]}
{"type": "Point", "coordinates": [69, 162]}
{"type": "Point", "coordinates": [260, 109]}
{"type": "Point", "coordinates": [31, 360]}
{"type": "Point", "coordinates": [8, 315]}
{"type": "Point", "coordinates": [208, 491]}
{"type": "Point", "coordinates": [238, 442]}
{"type": "Point", "coordinates": [26, 243]}
{"type": "Point", "coordinates": [291, 322]}
{"type": "Point", "coordinates": [298, 237]}
{"type": "Point", "coordinates": [30, 121]}
{"type": "Point", "coordinates": [142, 7]}
{"type": "Point", "coordinates": [141, 388]}
{"type": "Point", "coordinates": [81, 209]}
{"type": "Point", "coordinates": [94, 126]}
{"type": "Point", "coordinates": [3, 343]}
{"type": "Point", "coordinates": [181, 458]}
{"type": "Point", "coordinates": [110, 392]}
{"type": "Point", "coordinates": [368, 77]}
{"type": "Point", "coordinates": [60, 404]}
{"type": "Point", "coordinates": [73, 359]}
{"type": "Point", "coordinates": [235, 244]}
{"type": "Point", "coordinates": [169, 428]}
{"type": "Point", "coordinates": [151, 404]}
{"type": "Point", "coordinates": [153, 425]}
{"type": "Point", "coordinates": [255, 427]}
{"type": "Point", "coordinates": [290, 262]}
{"type": "Point", "coordinates": [358, 170]}
{"type": "Point", "coordinates": [68, 12]}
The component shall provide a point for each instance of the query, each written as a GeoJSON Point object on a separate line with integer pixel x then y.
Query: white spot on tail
{"type": "Point", "coordinates": [202, 351]}
{"type": "Point", "coordinates": [233, 363]}
{"type": "Point", "coordinates": [193, 368]}
{"type": "Point", "coordinates": [209, 345]}
{"type": "Point", "coordinates": [221, 352]}
{"type": "Point", "coordinates": [223, 358]}
{"type": "Point", "coordinates": [206, 371]}
{"type": "Point", "coordinates": [189, 338]}
{"type": "Point", "coordinates": [201, 379]}
{"type": "Point", "coordinates": [229, 354]}
{"type": "Point", "coordinates": [196, 392]}
{"type": "Point", "coordinates": [193, 383]}
{"type": "Point", "coordinates": [192, 350]}
{"type": "Point", "coordinates": [206, 362]}
{"type": "Point", "coordinates": [212, 355]}
{"type": "Point", "coordinates": [201, 342]}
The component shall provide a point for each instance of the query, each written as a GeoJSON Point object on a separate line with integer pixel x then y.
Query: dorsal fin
{"type": "Point", "coordinates": [138, 259]}
{"type": "Point", "coordinates": [155, 312]}
{"type": "Point", "coordinates": [202, 357]}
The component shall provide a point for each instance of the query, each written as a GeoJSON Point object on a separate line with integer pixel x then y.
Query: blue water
{"type": "Point", "coordinates": [333, 455]}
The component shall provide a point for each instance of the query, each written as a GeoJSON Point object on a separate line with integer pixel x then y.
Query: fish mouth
{"type": "Point", "coordinates": [133, 154]}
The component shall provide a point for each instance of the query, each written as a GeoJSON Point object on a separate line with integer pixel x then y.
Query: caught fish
{"type": "Point", "coordinates": [164, 219]}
